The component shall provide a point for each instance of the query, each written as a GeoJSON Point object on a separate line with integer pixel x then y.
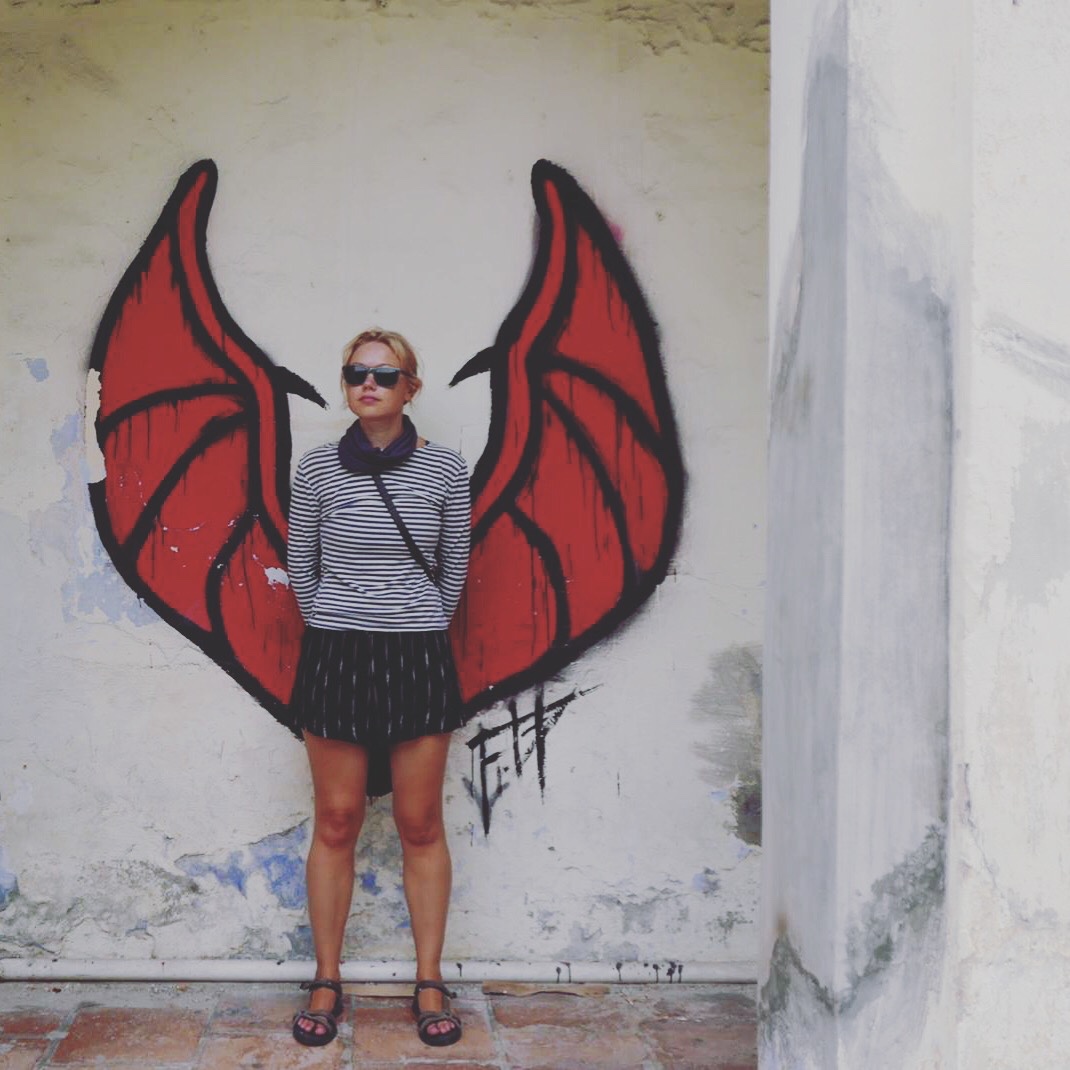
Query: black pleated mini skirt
{"type": "Point", "coordinates": [376, 689]}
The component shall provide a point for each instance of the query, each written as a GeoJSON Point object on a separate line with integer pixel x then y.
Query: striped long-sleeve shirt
{"type": "Point", "coordinates": [348, 563]}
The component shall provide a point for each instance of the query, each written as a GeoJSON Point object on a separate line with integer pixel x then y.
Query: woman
{"type": "Point", "coordinates": [376, 693]}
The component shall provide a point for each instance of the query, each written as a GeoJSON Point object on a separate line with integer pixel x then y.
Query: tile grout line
{"type": "Point", "coordinates": [62, 1031]}
{"type": "Point", "coordinates": [202, 1043]}
{"type": "Point", "coordinates": [495, 1033]}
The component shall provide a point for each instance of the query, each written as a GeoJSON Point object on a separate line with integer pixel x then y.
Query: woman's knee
{"type": "Point", "coordinates": [338, 824]}
{"type": "Point", "coordinates": [420, 827]}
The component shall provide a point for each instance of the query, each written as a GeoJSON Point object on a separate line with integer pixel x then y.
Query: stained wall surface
{"type": "Point", "coordinates": [373, 163]}
{"type": "Point", "coordinates": [860, 459]}
{"type": "Point", "coordinates": [915, 720]}
{"type": "Point", "coordinates": [1009, 975]}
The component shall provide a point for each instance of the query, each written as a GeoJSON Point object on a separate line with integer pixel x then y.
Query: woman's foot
{"type": "Point", "coordinates": [318, 1025]}
{"type": "Point", "coordinates": [436, 1024]}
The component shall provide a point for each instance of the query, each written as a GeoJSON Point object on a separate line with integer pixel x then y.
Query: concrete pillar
{"type": "Point", "coordinates": [916, 889]}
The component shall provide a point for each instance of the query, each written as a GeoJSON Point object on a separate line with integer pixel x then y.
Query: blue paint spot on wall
{"type": "Point", "coordinates": [706, 882]}
{"type": "Point", "coordinates": [280, 857]}
{"type": "Point", "coordinates": [369, 882]}
{"type": "Point", "coordinates": [229, 871]}
{"type": "Point", "coordinates": [69, 434]}
{"type": "Point", "coordinates": [103, 590]}
{"type": "Point", "coordinates": [9, 884]}
{"type": "Point", "coordinates": [301, 942]}
{"type": "Point", "coordinates": [38, 367]}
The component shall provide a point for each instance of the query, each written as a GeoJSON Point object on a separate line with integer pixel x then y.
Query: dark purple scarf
{"type": "Point", "coordinates": [358, 455]}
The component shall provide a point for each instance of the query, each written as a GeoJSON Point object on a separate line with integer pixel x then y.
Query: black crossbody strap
{"type": "Point", "coordinates": [410, 542]}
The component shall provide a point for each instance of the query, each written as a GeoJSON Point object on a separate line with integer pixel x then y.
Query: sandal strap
{"type": "Point", "coordinates": [430, 1017]}
{"type": "Point", "coordinates": [322, 982]}
{"type": "Point", "coordinates": [324, 1018]}
{"type": "Point", "coordinates": [438, 986]}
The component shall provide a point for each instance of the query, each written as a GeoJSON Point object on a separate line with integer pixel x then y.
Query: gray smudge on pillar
{"type": "Point", "coordinates": [856, 661]}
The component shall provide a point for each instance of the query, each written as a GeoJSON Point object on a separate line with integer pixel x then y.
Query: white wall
{"type": "Point", "coordinates": [373, 164]}
{"type": "Point", "coordinates": [1011, 790]}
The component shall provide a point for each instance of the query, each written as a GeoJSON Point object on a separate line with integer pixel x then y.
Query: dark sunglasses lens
{"type": "Point", "coordinates": [355, 374]}
{"type": "Point", "coordinates": [387, 377]}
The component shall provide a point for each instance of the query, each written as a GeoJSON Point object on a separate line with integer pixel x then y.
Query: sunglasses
{"type": "Point", "coordinates": [384, 375]}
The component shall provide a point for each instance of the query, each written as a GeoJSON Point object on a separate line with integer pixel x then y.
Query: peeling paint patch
{"type": "Point", "coordinates": [100, 590]}
{"type": "Point", "coordinates": [280, 858]}
{"type": "Point", "coordinates": [229, 871]}
{"type": "Point", "coordinates": [583, 937]}
{"type": "Point", "coordinates": [636, 914]}
{"type": "Point", "coordinates": [301, 942]}
{"type": "Point", "coordinates": [96, 469]}
{"type": "Point", "coordinates": [376, 917]}
{"type": "Point", "coordinates": [37, 367]}
{"type": "Point", "coordinates": [728, 921]}
{"type": "Point", "coordinates": [65, 436]}
{"type": "Point", "coordinates": [639, 917]}
{"type": "Point", "coordinates": [91, 587]}
{"type": "Point", "coordinates": [707, 882]}
{"type": "Point", "coordinates": [9, 885]}
{"type": "Point", "coordinates": [113, 899]}
{"type": "Point", "coordinates": [549, 920]}
{"type": "Point", "coordinates": [666, 24]}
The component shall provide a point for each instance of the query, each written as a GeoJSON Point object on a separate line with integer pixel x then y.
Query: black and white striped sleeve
{"type": "Point", "coordinates": [454, 539]}
{"type": "Point", "coordinates": [303, 541]}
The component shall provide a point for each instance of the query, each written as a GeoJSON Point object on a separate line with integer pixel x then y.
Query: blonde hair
{"type": "Point", "coordinates": [397, 344]}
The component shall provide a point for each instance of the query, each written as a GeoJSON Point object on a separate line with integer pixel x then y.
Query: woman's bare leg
{"type": "Point", "coordinates": [418, 768]}
{"type": "Point", "coordinates": [339, 778]}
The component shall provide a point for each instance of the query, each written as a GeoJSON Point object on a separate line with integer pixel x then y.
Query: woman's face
{"type": "Point", "coordinates": [369, 400]}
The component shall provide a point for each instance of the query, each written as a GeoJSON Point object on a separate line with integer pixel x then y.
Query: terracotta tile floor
{"type": "Point", "coordinates": [506, 1027]}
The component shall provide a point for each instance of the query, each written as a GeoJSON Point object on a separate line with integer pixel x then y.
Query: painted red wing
{"type": "Point", "coordinates": [578, 495]}
{"type": "Point", "coordinates": [194, 428]}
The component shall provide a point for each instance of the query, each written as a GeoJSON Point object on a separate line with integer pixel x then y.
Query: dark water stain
{"type": "Point", "coordinates": [747, 804]}
{"type": "Point", "coordinates": [790, 982]}
{"type": "Point", "coordinates": [902, 910]}
{"type": "Point", "coordinates": [903, 902]}
{"type": "Point", "coordinates": [730, 702]}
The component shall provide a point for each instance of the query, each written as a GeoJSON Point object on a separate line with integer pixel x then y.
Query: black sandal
{"type": "Point", "coordinates": [328, 1019]}
{"type": "Point", "coordinates": [428, 1018]}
